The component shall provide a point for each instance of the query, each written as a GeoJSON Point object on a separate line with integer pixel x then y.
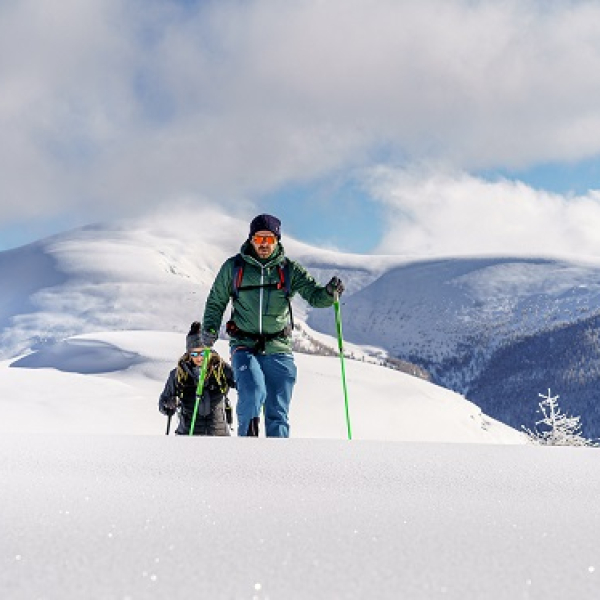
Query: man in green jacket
{"type": "Point", "coordinates": [260, 282]}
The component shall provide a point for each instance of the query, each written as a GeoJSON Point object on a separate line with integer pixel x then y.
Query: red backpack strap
{"type": "Point", "coordinates": [284, 277]}
{"type": "Point", "coordinates": [237, 275]}
{"type": "Point", "coordinates": [284, 284]}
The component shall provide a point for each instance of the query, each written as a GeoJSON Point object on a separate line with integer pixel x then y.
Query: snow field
{"type": "Point", "coordinates": [153, 517]}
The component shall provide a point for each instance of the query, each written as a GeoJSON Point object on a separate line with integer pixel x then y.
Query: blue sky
{"type": "Point", "coordinates": [568, 178]}
{"type": "Point", "coordinates": [331, 213]}
{"type": "Point", "coordinates": [430, 127]}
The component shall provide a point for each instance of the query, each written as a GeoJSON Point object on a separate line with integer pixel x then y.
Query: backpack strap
{"type": "Point", "coordinates": [284, 282]}
{"type": "Point", "coordinates": [284, 277]}
{"type": "Point", "coordinates": [237, 275]}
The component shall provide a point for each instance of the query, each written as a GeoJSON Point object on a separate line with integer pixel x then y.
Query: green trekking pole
{"type": "Point", "coordinates": [200, 387]}
{"type": "Point", "coordinates": [338, 324]}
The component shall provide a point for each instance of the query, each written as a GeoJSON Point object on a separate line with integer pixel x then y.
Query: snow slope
{"type": "Point", "coordinates": [145, 517]}
{"type": "Point", "coordinates": [110, 383]}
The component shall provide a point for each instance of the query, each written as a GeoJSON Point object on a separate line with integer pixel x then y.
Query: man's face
{"type": "Point", "coordinates": [264, 243]}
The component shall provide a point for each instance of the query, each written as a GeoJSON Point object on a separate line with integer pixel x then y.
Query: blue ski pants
{"type": "Point", "coordinates": [264, 380]}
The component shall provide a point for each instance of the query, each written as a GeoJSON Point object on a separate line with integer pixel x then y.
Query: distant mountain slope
{"type": "Point", "coordinates": [24, 272]}
{"type": "Point", "coordinates": [499, 330]}
{"type": "Point", "coordinates": [148, 274]}
{"type": "Point", "coordinates": [565, 359]}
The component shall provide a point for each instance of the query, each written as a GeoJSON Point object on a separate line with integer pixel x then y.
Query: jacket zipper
{"type": "Point", "coordinates": [260, 304]}
{"type": "Point", "coordinates": [262, 282]}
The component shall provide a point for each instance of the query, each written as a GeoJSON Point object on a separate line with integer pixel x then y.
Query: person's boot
{"type": "Point", "coordinates": [253, 427]}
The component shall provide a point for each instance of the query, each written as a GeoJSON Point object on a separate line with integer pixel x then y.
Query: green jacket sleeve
{"type": "Point", "coordinates": [218, 298]}
{"type": "Point", "coordinates": [306, 285]}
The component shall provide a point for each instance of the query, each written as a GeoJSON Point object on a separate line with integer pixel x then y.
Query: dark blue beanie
{"type": "Point", "coordinates": [266, 223]}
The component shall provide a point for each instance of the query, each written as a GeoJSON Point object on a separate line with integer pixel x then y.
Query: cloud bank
{"type": "Point", "coordinates": [111, 106]}
{"type": "Point", "coordinates": [441, 213]}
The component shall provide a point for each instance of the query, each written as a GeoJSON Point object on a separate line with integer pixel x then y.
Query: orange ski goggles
{"type": "Point", "coordinates": [264, 239]}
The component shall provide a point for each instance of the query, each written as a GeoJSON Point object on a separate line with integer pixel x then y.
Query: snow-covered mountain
{"type": "Point", "coordinates": [148, 274]}
{"type": "Point", "coordinates": [498, 330]}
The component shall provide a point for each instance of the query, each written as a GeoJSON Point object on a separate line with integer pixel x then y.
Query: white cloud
{"type": "Point", "coordinates": [442, 212]}
{"type": "Point", "coordinates": [113, 105]}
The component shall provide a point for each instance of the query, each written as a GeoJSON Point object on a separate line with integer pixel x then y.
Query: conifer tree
{"type": "Point", "coordinates": [556, 428]}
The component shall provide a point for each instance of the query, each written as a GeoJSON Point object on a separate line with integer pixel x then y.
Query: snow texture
{"type": "Point", "coordinates": [130, 517]}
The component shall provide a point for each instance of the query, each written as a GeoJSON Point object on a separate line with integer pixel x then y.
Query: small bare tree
{"type": "Point", "coordinates": [557, 429]}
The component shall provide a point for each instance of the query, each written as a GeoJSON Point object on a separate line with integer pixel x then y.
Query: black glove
{"type": "Point", "coordinates": [168, 406]}
{"type": "Point", "coordinates": [335, 286]}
